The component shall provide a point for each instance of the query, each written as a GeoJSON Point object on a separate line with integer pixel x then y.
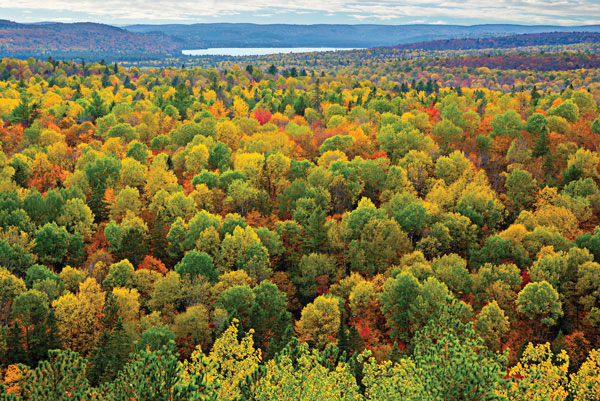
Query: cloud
{"type": "Point", "coordinates": [559, 12]}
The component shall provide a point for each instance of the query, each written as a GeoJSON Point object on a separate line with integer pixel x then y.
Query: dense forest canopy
{"type": "Point", "coordinates": [424, 229]}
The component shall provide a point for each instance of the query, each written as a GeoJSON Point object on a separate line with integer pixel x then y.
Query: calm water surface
{"type": "Point", "coordinates": [257, 51]}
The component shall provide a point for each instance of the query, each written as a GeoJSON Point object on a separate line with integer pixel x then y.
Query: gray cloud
{"type": "Point", "coordinates": [563, 12]}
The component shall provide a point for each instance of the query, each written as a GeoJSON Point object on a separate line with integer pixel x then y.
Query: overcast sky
{"type": "Point", "coordinates": [468, 12]}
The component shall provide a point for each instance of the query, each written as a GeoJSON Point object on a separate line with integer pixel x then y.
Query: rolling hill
{"type": "Point", "coordinates": [94, 41]}
{"type": "Point", "coordinates": [197, 36]}
{"type": "Point", "coordinates": [81, 40]}
{"type": "Point", "coordinates": [504, 42]}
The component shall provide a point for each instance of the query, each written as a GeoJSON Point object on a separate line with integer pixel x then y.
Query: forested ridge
{"type": "Point", "coordinates": [511, 41]}
{"type": "Point", "coordinates": [401, 230]}
{"type": "Point", "coordinates": [344, 35]}
{"type": "Point", "coordinates": [135, 43]}
{"type": "Point", "coordinates": [83, 39]}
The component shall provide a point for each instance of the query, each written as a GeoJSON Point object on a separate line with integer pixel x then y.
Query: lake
{"type": "Point", "coordinates": [258, 51]}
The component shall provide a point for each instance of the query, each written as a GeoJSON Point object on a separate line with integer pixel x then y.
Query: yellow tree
{"type": "Point", "coordinates": [388, 381]}
{"type": "Point", "coordinates": [79, 316]}
{"type": "Point", "coordinates": [537, 378]}
{"type": "Point", "coordinates": [133, 173]}
{"type": "Point", "coordinates": [320, 322]}
{"type": "Point", "coordinates": [230, 363]}
{"type": "Point", "coordinates": [251, 164]}
{"type": "Point", "coordinates": [128, 304]}
{"type": "Point", "coordinates": [229, 134]}
{"type": "Point", "coordinates": [160, 179]}
{"type": "Point", "coordinates": [585, 384]}
{"type": "Point", "coordinates": [240, 108]}
{"type": "Point", "coordinates": [127, 200]}
{"type": "Point", "coordinates": [196, 158]}
{"type": "Point", "coordinates": [306, 379]}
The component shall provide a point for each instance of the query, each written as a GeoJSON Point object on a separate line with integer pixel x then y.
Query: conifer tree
{"type": "Point", "coordinates": [60, 378]}
{"type": "Point", "coordinates": [542, 144]}
{"type": "Point", "coordinates": [113, 348]}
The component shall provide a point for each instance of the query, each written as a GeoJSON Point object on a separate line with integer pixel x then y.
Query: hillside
{"type": "Point", "coordinates": [503, 42]}
{"type": "Point", "coordinates": [142, 42]}
{"type": "Point", "coordinates": [80, 39]}
{"type": "Point", "coordinates": [281, 35]}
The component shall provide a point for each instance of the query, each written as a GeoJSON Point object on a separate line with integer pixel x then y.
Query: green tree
{"type": "Point", "coordinates": [492, 325]}
{"type": "Point", "coordinates": [596, 126]}
{"type": "Point", "coordinates": [452, 270]}
{"type": "Point", "coordinates": [508, 124]}
{"type": "Point", "coordinates": [182, 100]}
{"type": "Point", "coordinates": [155, 337]}
{"type": "Point", "coordinates": [60, 378]}
{"type": "Point", "coordinates": [129, 239]}
{"type": "Point", "coordinates": [239, 302]}
{"type": "Point", "coordinates": [10, 287]}
{"type": "Point", "coordinates": [26, 111]}
{"type": "Point", "coordinates": [587, 285]}
{"type": "Point", "coordinates": [396, 299]}
{"type": "Point", "coordinates": [32, 331]}
{"type": "Point", "coordinates": [314, 273]}
{"type": "Point", "coordinates": [542, 145]}
{"type": "Point", "coordinates": [101, 174]}
{"type": "Point", "coordinates": [446, 133]}
{"type": "Point", "coordinates": [271, 322]}
{"type": "Point", "coordinates": [77, 218]}
{"type": "Point", "coordinates": [196, 264]}
{"type": "Point", "coordinates": [521, 188]}
{"type": "Point", "coordinates": [567, 110]}
{"type": "Point", "coordinates": [539, 302]}
{"type": "Point", "coordinates": [113, 348]}
{"type": "Point", "coordinates": [156, 375]}
{"type": "Point", "coordinates": [380, 246]}
{"type": "Point", "coordinates": [97, 107]}
{"type": "Point", "coordinates": [52, 244]}
{"type": "Point", "coordinates": [454, 364]}
{"type": "Point", "coordinates": [537, 124]}
{"type": "Point", "coordinates": [119, 275]}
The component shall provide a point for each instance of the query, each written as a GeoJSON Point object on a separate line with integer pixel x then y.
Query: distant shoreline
{"type": "Point", "coordinates": [260, 51]}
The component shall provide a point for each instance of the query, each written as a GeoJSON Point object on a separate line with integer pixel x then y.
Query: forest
{"type": "Point", "coordinates": [283, 229]}
{"type": "Point", "coordinates": [532, 39]}
{"type": "Point", "coordinates": [76, 40]}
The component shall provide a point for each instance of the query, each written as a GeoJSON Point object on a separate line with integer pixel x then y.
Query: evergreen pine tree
{"type": "Point", "coordinates": [25, 112]}
{"type": "Point", "coordinates": [343, 342]}
{"type": "Point", "coordinates": [61, 377]}
{"type": "Point", "coordinates": [317, 102]}
{"type": "Point", "coordinates": [98, 204]}
{"type": "Point", "coordinates": [159, 243]}
{"type": "Point", "coordinates": [535, 96]}
{"type": "Point", "coordinates": [315, 234]}
{"type": "Point", "coordinates": [182, 100]}
{"type": "Point", "coordinates": [110, 355]}
{"type": "Point", "coordinates": [396, 353]}
{"type": "Point", "coordinates": [283, 332]}
{"type": "Point", "coordinates": [355, 341]}
{"type": "Point", "coordinates": [105, 78]}
{"type": "Point", "coordinates": [32, 332]}
{"type": "Point", "coordinates": [542, 144]}
{"type": "Point", "coordinates": [113, 348]}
